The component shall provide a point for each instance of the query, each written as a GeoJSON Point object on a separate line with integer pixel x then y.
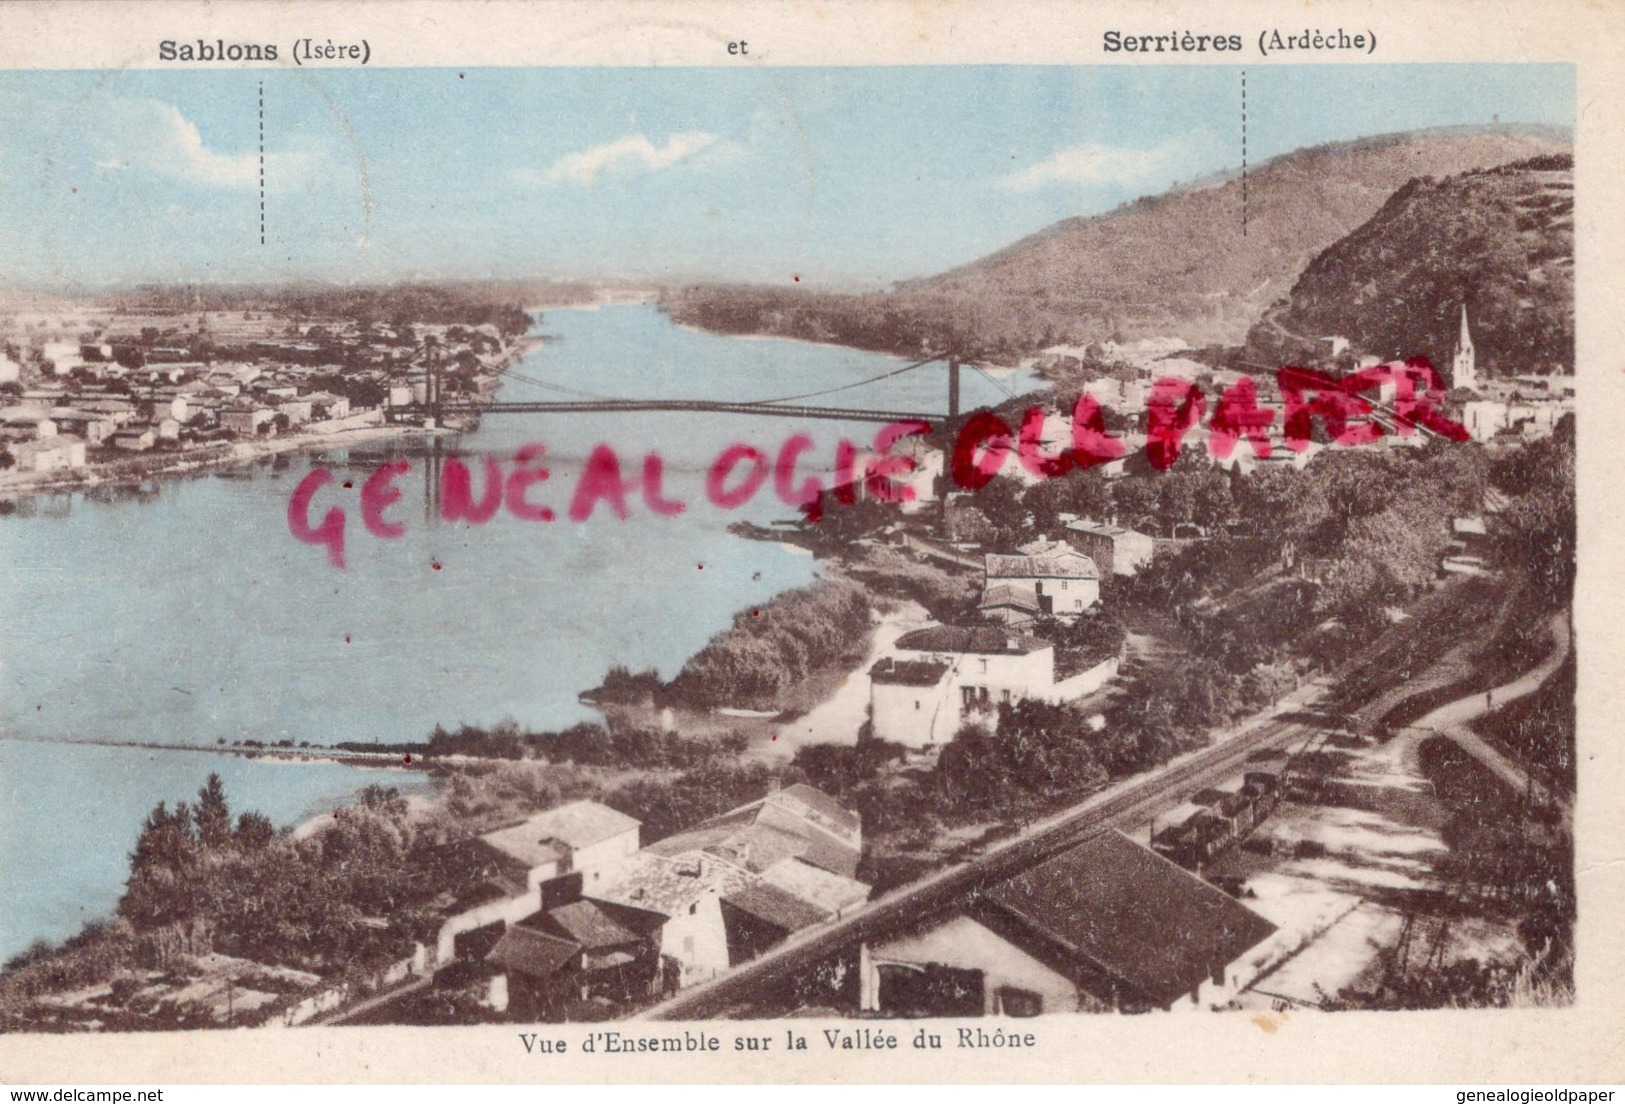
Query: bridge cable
{"type": "Point", "coordinates": [563, 390]}
{"type": "Point", "coordinates": [994, 381]}
{"type": "Point", "coordinates": [844, 386]}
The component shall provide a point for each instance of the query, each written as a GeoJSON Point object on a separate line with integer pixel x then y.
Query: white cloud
{"type": "Point", "coordinates": [155, 137]}
{"type": "Point", "coordinates": [632, 155]}
{"type": "Point", "coordinates": [1091, 165]}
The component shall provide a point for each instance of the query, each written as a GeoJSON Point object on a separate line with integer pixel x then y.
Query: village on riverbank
{"type": "Point", "coordinates": [137, 385]}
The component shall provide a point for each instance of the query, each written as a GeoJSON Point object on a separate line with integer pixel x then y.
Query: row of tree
{"type": "Point", "coordinates": [615, 744]}
{"type": "Point", "coordinates": [309, 903]}
{"type": "Point", "coordinates": [771, 649]}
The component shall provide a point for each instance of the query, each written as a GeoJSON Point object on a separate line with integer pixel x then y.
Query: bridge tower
{"type": "Point", "coordinates": [431, 377]}
{"type": "Point", "coordinates": [953, 387]}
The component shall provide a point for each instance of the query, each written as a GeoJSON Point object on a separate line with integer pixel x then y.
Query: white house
{"type": "Point", "coordinates": [325, 405]}
{"type": "Point", "coordinates": [940, 677]}
{"type": "Point", "coordinates": [245, 421]}
{"type": "Point", "coordinates": [1063, 580]}
{"type": "Point", "coordinates": [742, 882]}
{"type": "Point", "coordinates": [64, 356]}
{"type": "Point", "coordinates": [136, 439]}
{"type": "Point", "coordinates": [1114, 550]}
{"type": "Point", "coordinates": [56, 453]}
{"type": "Point", "coordinates": [687, 889]}
{"type": "Point", "coordinates": [1484, 418]}
{"type": "Point", "coordinates": [583, 836]}
{"type": "Point", "coordinates": [298, 410]}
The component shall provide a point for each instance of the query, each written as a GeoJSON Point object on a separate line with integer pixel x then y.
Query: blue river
{"type": "Point", "coordinates": [185, 612]}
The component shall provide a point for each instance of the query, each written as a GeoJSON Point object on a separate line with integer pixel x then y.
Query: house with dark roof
{"type": "Point", "coordinates": [574, 949]}
{"type": "Point", "coordinates": [1062, 580]}
{"type": "Point", "coordinates": [1104, 926]}
{"type": "Point", "coordinates": [1012, 604]}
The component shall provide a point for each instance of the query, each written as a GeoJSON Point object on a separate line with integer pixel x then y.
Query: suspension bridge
{"type": "Point", "coordinates": [574, 400]}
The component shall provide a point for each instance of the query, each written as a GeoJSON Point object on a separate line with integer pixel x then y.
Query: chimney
{"type": "Point", "coordinates": [773, 785]}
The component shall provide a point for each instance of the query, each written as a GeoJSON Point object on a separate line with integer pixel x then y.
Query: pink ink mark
{"type": "Point", "coordinates": [331, 530]}
{"type": "Point", "coordinates": [601, 481]}
{"type": "Point", "coordinates": [378, 494]}
{"type": "Point", "coordinates": [716, 480]}
{"type": "Point", "coordinates": [1174, 407]}
{"type": "Point", "coordinates": [521, 480]}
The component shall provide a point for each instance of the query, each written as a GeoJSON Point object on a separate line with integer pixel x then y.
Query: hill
{"type": "Point", "coordinates": [1499, 240]}
{"type": "Point", "coordinates": [1176, 264]}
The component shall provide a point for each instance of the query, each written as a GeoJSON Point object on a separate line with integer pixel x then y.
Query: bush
{"type": "Point", "coordinates": [774, 647]}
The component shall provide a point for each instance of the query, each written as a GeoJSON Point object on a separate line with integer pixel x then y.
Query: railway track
{"type": "Point", "coordinates": [733, 993]}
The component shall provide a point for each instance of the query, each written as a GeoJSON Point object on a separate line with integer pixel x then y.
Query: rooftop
{"type": "Point", "coordinates": [1005, 594]}
{"type": "Point", "coordinates": [975, 639]}
{"type": "Point", "coordinates": [597, 925]}
{"type": "Point", "coordinates": [831, 892]}
{"type": "Point", "coordinates": [668, 884]}
{"type": "Point", "coordinates": [524, 950]}
{"type": "Point", "coordinates": [796, 822]}
{"type": "Point", "coordinates": [551, 835]}
{"type": "Point", "coordinates": [908, 672]}
{"type": "Point", "coordinates": [1101, 528]}
{"type": "Point", "coordinates": [1055, 563]}
{"type": "Point", "coordinates": [778, 907]}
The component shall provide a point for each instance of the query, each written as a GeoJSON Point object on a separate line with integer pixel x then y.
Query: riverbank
{"type": "Point", "coordinates": [144, 468]}
{"type": "Point", "coordinates": [309, 754]}
{"type": "Point", "coordinates": [141, 467]}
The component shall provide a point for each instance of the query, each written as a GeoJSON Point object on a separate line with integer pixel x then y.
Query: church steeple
{"type": "Point", "coordinates": [1463, 364]}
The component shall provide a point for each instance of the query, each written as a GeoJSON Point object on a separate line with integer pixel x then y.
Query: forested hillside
{"type": "Point", "coordinates": [1499, 240]}
{"type": "Point", "coordinates": [1181, 263]}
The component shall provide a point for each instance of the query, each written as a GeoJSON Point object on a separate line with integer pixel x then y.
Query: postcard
{"type": "Point", "coordinates": [550, 542]}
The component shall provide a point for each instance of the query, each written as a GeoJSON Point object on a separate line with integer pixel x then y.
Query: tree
{"type": "Point", "coordinates": [1269, 681]}
{"type": "Point", "coordinates": [1081, 491]}
{"type": "Point", "coordinates": [1135, 498]}
{"type": "Point", "coordinates": [254, 831]}
{"type": "Point", "coordinates": [213, 816]}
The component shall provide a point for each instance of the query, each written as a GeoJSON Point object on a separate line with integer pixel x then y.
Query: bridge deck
{"type": "Point", "coordinates": [772, 410]}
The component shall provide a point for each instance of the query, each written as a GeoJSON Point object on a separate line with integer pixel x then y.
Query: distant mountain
{"type": "Point", "coordinates": [1181, 263]}
{"type": "Point", "coordinates": [1499, 240]}
{"type": "Point", "coordinates": [1178, 264]}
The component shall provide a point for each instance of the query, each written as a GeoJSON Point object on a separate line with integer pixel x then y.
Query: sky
{"type": "Point", "coordinates": [839, 176]}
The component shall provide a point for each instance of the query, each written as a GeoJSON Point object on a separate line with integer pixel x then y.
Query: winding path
{"type": "Point", "coordinates": [1454, 719]}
